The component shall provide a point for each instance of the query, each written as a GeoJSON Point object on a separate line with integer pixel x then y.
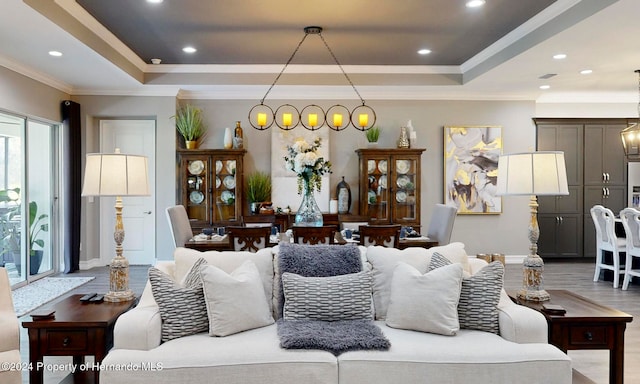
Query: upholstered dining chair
{"type": "Point", "coordinates": [441, 224]}
{"type": "Point", "coordinates": [314, 235]}
{"type": "Point", "coordinates": [9, 333]}
{"type": "Point", "coordinates": [249, 239]}
{"type": "Point", "coordinates": [179, 224]}
{"type": "Point", "coordinates": [383, 235]}
{"type": "Point", "coordinates": [631, 222]}
{"type": "Point", "coordinates": [607, 240]}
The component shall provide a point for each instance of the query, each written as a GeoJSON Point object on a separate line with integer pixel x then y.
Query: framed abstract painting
{"type": "Point", "coordinates": [471, 168]}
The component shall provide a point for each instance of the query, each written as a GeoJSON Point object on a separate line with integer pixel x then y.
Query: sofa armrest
{"type": "Point", "coordinates": [521, 324]}
{"type": "Point", "coordinates": [9, 331]}
{"type": "Point", "coordinates": [139, 328]}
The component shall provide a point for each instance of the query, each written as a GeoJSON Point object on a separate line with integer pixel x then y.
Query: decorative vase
{"type": "Point", "coordinates": [228, 139]}
{"type": "Point", "coordinates": [190, 144]}
{"type": "Point", "coordinates": [309, 214]}
{"type": "Point", "coordinates": [403, 141]}
{"type": "Point", "coordinates": [343, 191]}
{"type": "Point", "coordinates": [372, 144]}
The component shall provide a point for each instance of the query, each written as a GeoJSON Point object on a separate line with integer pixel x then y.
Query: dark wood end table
{"type": "Point", "coordinates": [78, 329]}
{"type": "Point", "coordinates": [585, 325]}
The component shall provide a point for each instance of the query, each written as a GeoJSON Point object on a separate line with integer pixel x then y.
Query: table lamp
{"type": "Point", "coordinates": [118, 175]}
{"type": "Point", "coordinates": [533, 174]}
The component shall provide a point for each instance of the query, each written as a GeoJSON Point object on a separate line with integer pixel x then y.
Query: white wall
{"type": "Point", "coordinates": [94, 108]}
{"type": "Point", "coordinates": [504, 233]}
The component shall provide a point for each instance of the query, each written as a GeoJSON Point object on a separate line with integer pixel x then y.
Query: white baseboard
{"type": "Point", "coordinates": [88, 264]}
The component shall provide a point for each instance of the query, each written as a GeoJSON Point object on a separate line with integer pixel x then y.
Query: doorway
{"type": "Point", "coordinates": [138, 215]}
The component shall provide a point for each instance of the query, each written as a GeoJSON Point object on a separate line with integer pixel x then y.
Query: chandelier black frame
{"type": "Point", "coordinates": [631, 135]}
{"type": "Point", "coordinates": [312, 116]}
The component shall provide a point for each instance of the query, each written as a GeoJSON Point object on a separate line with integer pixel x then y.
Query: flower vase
{"type": "Point", "coordinates": [309, 214]}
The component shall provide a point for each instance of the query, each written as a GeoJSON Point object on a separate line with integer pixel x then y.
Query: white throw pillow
{"type": "Point", "coordinates": [235, 302]}
{"type": "Point", "coordinates": [425, 302]}
{"type": "Point", "coordinates": [384, 260]}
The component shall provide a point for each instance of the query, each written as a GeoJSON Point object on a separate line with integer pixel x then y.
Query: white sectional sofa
{"type": "Point", "coordinates": [519, 354]}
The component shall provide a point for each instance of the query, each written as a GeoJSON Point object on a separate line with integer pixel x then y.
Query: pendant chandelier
{"type": "Point", "coordinates": [631, 134]}
{"type": "Point", "coordinates": [312, 117]}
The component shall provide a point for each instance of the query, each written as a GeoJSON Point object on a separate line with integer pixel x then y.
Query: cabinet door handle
{"type": "Point", "coordinates": [147, 212]}
{"type": "Point", "coordinates": [608, 192]}
{"type": "Point", "coordinates": [604, 192]}
{"type": "Point", "coordinates": [588, 335]}
{"type": "Point", "coordinates": [65, 342]}
{"type": "Point", "coordinates": [604, 178]}
{"type": "Point", "coordinates": [557, 220]}
{"type": "Point", "coordinates": [561, 220]}
{"type": "Point", "coordinates": [608, 177]}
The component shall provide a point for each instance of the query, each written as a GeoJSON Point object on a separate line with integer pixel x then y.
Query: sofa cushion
{"type": "Point", "coordinates": [182, 308]}
{"type": "Point", "coordinates": [235, 302]}
{"type": "Point", "coordinates": [384, 260]}
{"type": "Point", "coordinates": [253, 356]}
{"type": "Point", "coordinates": [344, 297]}
{"type": "Point", "coordinates": [469, 357]}
{"type": "Point", "coordinates": [425, 302]}
{"type": "Point", "coordinates": [479, 297]}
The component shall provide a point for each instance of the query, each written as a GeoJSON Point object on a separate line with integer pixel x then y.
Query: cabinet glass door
{"type": "Point", "coordinates": [378, 189]}
{"type": "Point", "coordinates": [196, 188]}
{"type": "Point", "coordinates": [224, 191]}
{"type": "Point", "coordinates": [404, 190]}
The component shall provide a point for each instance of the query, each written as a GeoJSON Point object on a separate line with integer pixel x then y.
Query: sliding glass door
{"type": "Point", "coordinates": [26, 197]}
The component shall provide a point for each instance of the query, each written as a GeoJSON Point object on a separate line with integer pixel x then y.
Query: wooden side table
{"type": "Point", "coordinates": [78, 329]}
{"type": "Point", "coordinates": [585, 325]}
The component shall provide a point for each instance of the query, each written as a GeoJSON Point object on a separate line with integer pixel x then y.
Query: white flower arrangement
{"type": "Point", "coordinates": [304, 160]}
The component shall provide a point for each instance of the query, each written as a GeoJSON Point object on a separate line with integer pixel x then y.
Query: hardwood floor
{"type": "Point", "coordinates": [576, 277]}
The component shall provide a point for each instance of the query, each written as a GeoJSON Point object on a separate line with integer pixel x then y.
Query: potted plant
{"type": "Point", "coordinates": [258, 190]}
{"type": "Point", "coordinates": [9, 227]}
{"type": "Point", "coordinates": [38, 224]}
{"type": "Point", "coordinates": [189, 124]}
{"type": "Point", "coordinates": [373, 134]}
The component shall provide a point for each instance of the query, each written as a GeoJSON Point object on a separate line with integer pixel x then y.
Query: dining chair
{"type": "Point", "coordinates": [441, 224]}
{"type": "Point", "coordinates": [179, 224]}
{"type": "Point", "coordinates": [607, 240]}
{"type": "Point", "coordinates": [258, 220]}
{"type": "Point", "coordinates": [383, 235]}
{"type": "Point", "coordinates": [9, 333]}
{"type": "Point", "coordinates": [314, 235]}
{"type": "Point", "coordinates": [631, 222]}
{"type": "Point", "coordinates": [249, 239]}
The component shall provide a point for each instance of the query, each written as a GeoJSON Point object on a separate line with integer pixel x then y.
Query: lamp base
{"type": "Point", "coordinates": [532, 283]}
{"type": "Point", "coordinates": [116, 297]}
{"type": "Point", "coordinates": [119, 281]}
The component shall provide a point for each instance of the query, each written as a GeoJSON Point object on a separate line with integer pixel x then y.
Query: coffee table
{"type": "Point", "coordinates": [78, 329]}
{"type": "Point", "coordinates": [585, 325]}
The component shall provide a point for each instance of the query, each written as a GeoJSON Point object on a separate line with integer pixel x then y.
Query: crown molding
{"type": "Point", "coordinates": [35, 75]}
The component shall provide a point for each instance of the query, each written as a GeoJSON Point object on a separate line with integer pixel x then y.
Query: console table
{"type": "Point", "coordinates": [585, 325]}
{"type": "Point", "coordinates": [78, 329]}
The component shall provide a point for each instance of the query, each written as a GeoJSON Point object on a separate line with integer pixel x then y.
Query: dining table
{"type": "Point", "coordinates": [221, 243]}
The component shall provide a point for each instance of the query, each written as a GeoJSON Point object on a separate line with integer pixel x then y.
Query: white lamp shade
{"type": "Point", "coordinates": [115, 174]}
{"type": "Point", "coordinates": [533, 173]}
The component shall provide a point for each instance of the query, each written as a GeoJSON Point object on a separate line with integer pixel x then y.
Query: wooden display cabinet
{"type": "Point", "coordinates": [210, 186]}
{"type": "Point", "coordinates": [390, 185]}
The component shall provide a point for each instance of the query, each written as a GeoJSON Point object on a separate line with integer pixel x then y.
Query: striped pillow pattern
{"type": "Point", "coordinates": [182, 307]}
{"type": "Point", "coordinates": [479, 297]}
{"type": "Point", "coordinates": [333, 298]}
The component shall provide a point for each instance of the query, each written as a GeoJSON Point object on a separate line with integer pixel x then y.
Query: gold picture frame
{"type": "Point", "coordinates": [471, 168]}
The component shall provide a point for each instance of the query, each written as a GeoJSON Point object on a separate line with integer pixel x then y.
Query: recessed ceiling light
{"type": "Point", "coordinates": [545, 86]}
{"type": "Point", "coordinates": [155, 1]}
{"type": "Point", "coordinates": [475, 3]}
{"type": "Point", "coordinates": [586, 72]}
{"type": "Point", "coordinates": [560, 56]}
{"type": "Point", "coordinates": [55, 53]}
{"type": "Point", "coordinates": [424, 51]}
{"type": "Point", "coordinates": [189, 49]}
